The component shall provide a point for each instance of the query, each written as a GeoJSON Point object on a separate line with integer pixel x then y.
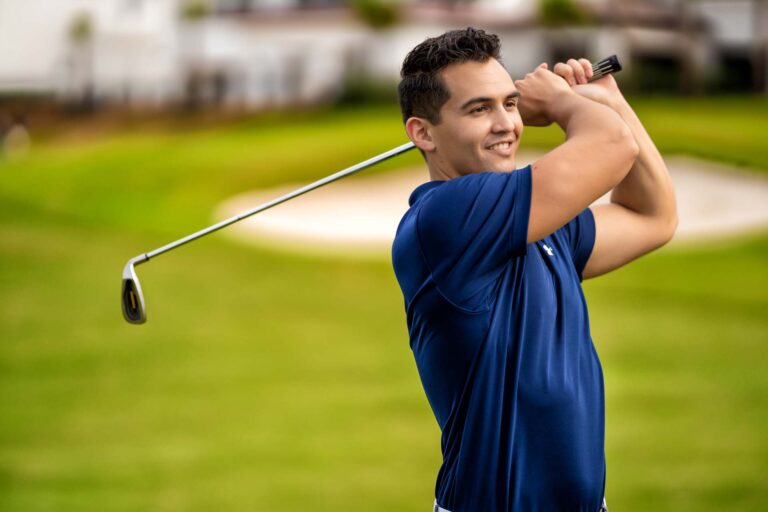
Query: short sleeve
{"type": "Point", "coordinates": [470, 227]}
{"type": "Point", "coordinates": [580, 235]}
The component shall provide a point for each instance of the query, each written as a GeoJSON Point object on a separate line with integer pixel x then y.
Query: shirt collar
{"type": "Point", "coordinates": [422, 189]}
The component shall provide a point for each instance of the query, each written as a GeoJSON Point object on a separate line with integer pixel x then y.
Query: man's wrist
{"type": "Point", "coordinates": [619, 104]}
{"type": "Point", "coordinates": [565, 105]}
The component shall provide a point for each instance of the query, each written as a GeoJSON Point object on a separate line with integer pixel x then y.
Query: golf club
{"type": "Point", "coordinates": [132, 298]}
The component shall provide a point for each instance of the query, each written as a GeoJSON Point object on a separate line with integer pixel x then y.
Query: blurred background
{"type": "Point", "coordinates": [278, 377]}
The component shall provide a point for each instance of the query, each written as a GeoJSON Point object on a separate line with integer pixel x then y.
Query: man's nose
{"type": "Point", "coordinates": [502, 121]}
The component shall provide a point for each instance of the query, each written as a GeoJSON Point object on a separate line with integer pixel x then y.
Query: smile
{"type": "Point", "coordinates": [502, 148]}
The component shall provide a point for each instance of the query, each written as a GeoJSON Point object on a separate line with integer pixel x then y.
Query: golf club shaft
{"type": "Point", "coordinates": [605, 66]}
{"type": "Point", "coordinates": [274, 202]}
{"type": "Point", "coordinates": [134, 309]}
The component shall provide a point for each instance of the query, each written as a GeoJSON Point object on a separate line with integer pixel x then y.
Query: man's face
{"type": "Point", "coordinates": [480, 126]}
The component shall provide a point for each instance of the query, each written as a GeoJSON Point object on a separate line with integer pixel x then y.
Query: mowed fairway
{"type": "Point", "coordinates": [268, 381]}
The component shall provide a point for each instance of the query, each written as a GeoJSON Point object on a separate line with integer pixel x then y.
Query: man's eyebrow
{"type": "Point", "coordinates": [515, 94]}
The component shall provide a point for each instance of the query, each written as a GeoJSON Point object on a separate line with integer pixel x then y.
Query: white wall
{"type": "Point", "coordinates": [731, 20]}
{"type": "Point", "coordinates": [133, 46]}
{"type": "Point", "coordinates": [33, 36]}
{"type": "Point", "coordinates": [136, 50]}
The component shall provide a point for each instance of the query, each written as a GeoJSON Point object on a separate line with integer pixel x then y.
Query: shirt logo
{"type": "Point", "coordinates": [548, 249]}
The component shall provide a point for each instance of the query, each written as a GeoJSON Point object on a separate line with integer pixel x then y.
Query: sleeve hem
{"type": "Point", "coordinates": [522, 212]}
{"type": "Point", "coordinates": [588, 247]}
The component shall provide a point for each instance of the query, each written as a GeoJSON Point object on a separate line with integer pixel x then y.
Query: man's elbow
{"type": "Point", "coordinates": [629, 146]}
{"type": "Point", "coordinates": [670, 227]}
{"type": "Point", "coordinates": [625, 149]}
{"type": "Point", "coordinates": [666, 229]}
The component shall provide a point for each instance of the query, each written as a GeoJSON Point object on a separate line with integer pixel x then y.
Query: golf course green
{"type": "Point", "coordinates": [273, 381]}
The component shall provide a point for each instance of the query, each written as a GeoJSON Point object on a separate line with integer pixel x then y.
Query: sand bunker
{"type": "Point", "coordinates": [360, 214]}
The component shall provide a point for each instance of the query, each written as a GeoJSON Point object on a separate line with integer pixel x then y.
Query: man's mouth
{"type": "Point", "coordinates": [503, 148]}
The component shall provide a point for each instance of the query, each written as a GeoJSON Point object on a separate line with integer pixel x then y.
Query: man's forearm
{"type": "Point", "coordinates": [577, 115]}
{"type": "Point", "coordinates": [647, 189]}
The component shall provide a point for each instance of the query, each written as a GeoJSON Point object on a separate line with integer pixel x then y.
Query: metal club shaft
{"type": "Point", "coordinates": [134, 310]}
{"type": "Point", "coordinates": [601, 68]}
{"type": "Point", "coordinates": [274, 202]}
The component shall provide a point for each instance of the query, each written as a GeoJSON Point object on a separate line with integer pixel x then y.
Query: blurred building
{"type": "Point", "coordinates": [739, 29]}
{"type": "Point", "coordinates": [256, 53]}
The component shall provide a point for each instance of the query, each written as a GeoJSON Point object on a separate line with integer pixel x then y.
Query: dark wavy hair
{"type": "Point", "coordinates": [422, 92]}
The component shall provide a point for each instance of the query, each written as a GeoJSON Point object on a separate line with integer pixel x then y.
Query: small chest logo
{"type": "Point", "coordinates": [548, 249]}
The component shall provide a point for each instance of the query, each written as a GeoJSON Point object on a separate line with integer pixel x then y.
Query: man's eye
{"type": "Point", "coordinates": [511, 104]}
{"type": "Point", "coordinates": [479, 109]}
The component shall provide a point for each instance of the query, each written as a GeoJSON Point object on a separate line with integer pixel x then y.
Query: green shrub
{"type": "Point", "coordinates": [360, 90]}
{"type": "Point", "coordinates": [376, 13]}
{"type": "Point", "coordinates": [556, 13]}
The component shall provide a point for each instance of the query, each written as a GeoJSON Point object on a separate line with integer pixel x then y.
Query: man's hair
{"type": "Point", "coordinates": [422, 92]}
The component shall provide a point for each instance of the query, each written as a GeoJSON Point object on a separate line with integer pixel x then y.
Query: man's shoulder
{"type": "Point", "coordinates": [461, 192]}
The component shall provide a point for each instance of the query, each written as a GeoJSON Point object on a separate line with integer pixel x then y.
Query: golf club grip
{"type": "Point", "coordinates": [605, 67]}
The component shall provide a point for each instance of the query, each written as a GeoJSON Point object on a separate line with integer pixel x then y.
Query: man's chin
{"type": "Point", "coordinates": [502, 165]}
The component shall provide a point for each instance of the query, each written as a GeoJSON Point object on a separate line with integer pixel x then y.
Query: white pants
{"type": "Point", "coordinates": [438, 508]}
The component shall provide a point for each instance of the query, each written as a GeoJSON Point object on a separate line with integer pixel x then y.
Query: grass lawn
{"type": "Point", "coordinates": [269, 381]}
{"type": "Point", "coordinates": [728, 129]}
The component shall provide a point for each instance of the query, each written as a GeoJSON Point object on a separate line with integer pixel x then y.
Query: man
{"type": "Point", "coordinates": [490, 261]}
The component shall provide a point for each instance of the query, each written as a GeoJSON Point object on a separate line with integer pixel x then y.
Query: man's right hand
{"type": "Point", "coordinates": [539, 94]}
{"type": "Point", "coordinates": [577, 73]}
{"type": "Point", "coordinates": [597, 154]}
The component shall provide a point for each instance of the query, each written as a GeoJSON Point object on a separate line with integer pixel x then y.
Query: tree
{"type": "Point", "coordinates": [378, 14]}
{"type": "Point", "coordinates": [557, 13]}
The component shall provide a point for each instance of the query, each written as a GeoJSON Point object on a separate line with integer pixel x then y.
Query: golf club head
{"type": "Point", "coordinates": [132, 298]}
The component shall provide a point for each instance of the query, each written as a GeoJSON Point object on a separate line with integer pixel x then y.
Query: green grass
{"type": "Point", "coordinates": [269, 381]}
{"type": "Point", "coordinates": [727, 129]}
{"type": "Point", "coordinates": [683, 336]}
{"type": "Point", "coordinates": [266, 382]}
{"type": "Point", "coordinates": [135, 179]}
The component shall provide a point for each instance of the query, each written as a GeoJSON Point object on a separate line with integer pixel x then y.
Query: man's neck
{"type": "Point", "coordinates": [440, 172]}
{"type": "Point", "coordinates": [437, 173]}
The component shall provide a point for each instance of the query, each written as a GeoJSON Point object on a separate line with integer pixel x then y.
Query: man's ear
{"type": "Point", "coordinates": [418, 130]}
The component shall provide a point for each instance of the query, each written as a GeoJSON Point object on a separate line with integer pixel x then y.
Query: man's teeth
{"type": "Point", "coordinates": [501, 145]}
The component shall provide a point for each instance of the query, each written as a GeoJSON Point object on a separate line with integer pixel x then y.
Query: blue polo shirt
{"type": "Point", "coordinates": [500, 333]}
